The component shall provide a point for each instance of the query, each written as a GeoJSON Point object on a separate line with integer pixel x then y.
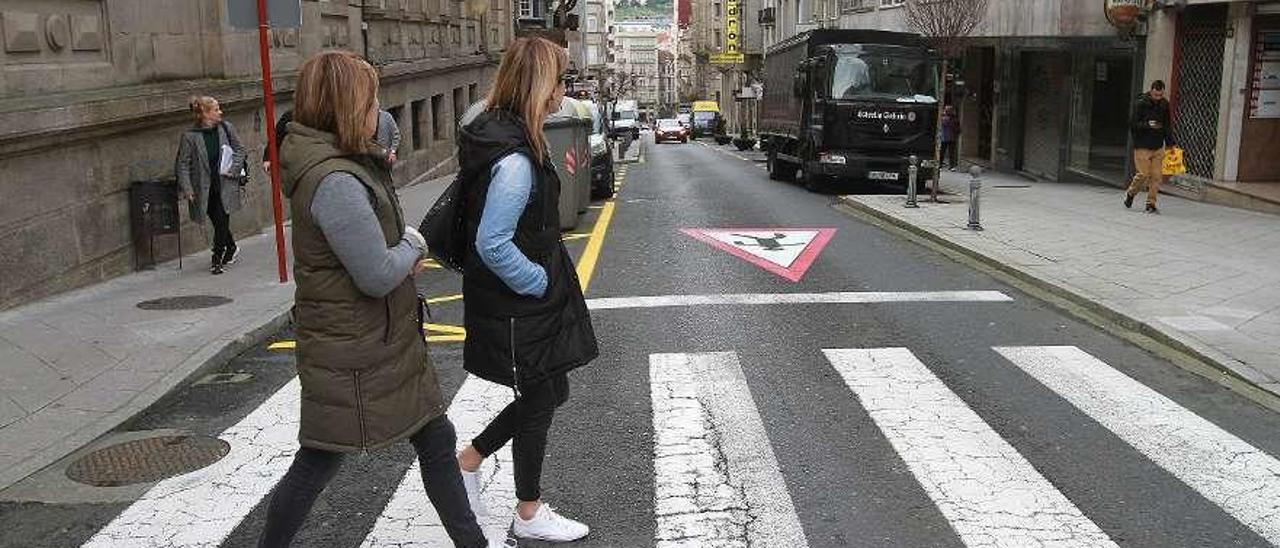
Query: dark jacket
{"type": "Point", "coordinates": [514, 339]}
{"type": "Point", "coordinates": [366, 378]}
{"type": "Point", "coordinates": [1144, 111]}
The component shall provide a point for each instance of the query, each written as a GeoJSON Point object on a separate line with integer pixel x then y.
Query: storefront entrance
{"type": "Point", "coordinates": [1101, 96]}
{"type": "Point", "coordinates": [1045, 81]}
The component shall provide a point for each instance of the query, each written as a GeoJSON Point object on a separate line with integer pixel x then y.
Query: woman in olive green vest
{"type": "Point", "coordinates": [362, 360]}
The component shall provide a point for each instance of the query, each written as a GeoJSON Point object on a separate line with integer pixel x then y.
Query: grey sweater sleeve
{"type": "Point", "coordinates": [342, 210]}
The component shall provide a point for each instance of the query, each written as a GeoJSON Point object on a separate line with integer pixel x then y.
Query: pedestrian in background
{"type": "Point", "coordinates": [526, 319]}
{"type": "Point", "coordinates": [1149, 125]}
{"type": "Point", "coordinates": [950, 137]}
{"type": "Point", "coordinates": [367, 381]}
{"type": "Point", "coordinates": [211, 174]}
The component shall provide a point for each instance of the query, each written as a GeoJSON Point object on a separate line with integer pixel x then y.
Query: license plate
{"type": "Point", "coordinates": [882, 175]}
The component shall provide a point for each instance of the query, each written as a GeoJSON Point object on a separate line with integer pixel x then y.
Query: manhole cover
{"type": "Point", "coordinates": [184, 302]}
{"type": "Point", "coordinates": [147, 460]}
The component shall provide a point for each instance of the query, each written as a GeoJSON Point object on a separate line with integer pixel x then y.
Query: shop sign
{"type": "Point", "coordinates": [732, 54]}
{"type": "Point", "coordinates": [1123, 13]}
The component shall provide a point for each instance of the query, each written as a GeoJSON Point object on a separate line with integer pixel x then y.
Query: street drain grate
{"type": "Point", "coordinates": [147, 460]}
{"type": "Point", "coordinates": [184, 302]}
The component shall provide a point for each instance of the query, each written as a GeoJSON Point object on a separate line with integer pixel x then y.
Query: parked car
{"type": "Point", "coordinates": [669, 129]}
{"type": "Point", "coordinates": [601, 155]}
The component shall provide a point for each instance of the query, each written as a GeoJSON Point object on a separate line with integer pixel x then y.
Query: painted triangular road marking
{"type": "Point", "coordinates": [787, 252]}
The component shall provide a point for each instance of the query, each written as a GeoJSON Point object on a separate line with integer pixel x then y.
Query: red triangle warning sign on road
{"type": "Point", "coordinates": [787, 252]}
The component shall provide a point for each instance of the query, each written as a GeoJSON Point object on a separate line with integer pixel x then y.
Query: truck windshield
{"type": "Point", "coordinates": [704, 115]}
{"type": "Point", "coordinates": [624, 115]}
{"type": "Point", "coordinates": [871, 76]}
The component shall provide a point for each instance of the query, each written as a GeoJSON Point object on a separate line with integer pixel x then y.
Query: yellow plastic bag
{"type": "Point", "coordinates": [1173, 164]}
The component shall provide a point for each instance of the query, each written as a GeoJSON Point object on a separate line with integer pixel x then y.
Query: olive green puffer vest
{"type": "Point", "coordinates": [362, 361]}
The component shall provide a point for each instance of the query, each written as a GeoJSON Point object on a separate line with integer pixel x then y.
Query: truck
{"type": "Point", "coordinates": [706, 118]}
{"type": "Point", "coordinates": [848, 105]}
{"type": "Point", "coordinates": [626, 118]}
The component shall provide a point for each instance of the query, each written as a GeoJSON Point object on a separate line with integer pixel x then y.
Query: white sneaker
{"type": "Point", "coordinates": [471, 480]}
{"type": "Point", "coordinates": [549, 526]}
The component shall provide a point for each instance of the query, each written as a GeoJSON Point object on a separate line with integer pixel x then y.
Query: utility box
{"type": "Point", "coordinates": [153, 211]}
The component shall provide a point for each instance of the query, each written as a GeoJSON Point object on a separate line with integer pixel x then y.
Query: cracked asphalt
{"type": "Point", "coordinates": [834, 445]}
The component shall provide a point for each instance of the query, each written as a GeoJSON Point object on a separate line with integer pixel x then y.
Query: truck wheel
{"type": "Point", "coordinates": [775, 169]}
{"type": "Point", "coordinates": [810, 182]}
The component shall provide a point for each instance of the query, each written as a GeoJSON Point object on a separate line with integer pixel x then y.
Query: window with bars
{"type": "Point", "coordinates": [854, 5]}
{"type": "Point", "coordinates": [526, 8]}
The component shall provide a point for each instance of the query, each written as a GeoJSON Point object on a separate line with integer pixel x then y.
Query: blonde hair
{"type": "Point", "coordinates": [336, 91]}
{"type": "Point", "coordinates": [530, 71]}
{"type": "Point", "coordinates": [200, 104]}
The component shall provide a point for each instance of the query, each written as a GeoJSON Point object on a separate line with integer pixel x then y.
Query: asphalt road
{"type": "Point", "coordinates": [888, 396]}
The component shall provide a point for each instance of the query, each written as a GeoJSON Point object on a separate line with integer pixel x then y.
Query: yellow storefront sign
{"type": "Point", "coordinates": [727, 58]}
{"type": "Point", "coordinates": [732, 54]}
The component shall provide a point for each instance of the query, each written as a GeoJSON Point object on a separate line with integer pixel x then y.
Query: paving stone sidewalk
{"type": "Point", "coordinates": [77, 365]}
{"type": "Point", "coordinates": [1202, 275]}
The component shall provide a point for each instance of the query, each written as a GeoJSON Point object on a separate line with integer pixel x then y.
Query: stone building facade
{"type": "Point", "coordinates": [93, 95]}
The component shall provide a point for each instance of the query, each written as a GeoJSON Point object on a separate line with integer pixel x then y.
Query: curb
{"type": "Point", "coordinates": [211, 356]}
{"type": "Point", "coordinates": [1185, 356]}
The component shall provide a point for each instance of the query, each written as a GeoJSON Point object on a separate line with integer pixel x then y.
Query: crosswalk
{"type": "Point", "coordinates": [717, 481]}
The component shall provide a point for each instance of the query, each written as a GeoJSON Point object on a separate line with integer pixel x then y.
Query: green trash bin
{"type": "Point", "coordinates": [584, 156]}
{"type": "Point", "coordinates": [561, 129]}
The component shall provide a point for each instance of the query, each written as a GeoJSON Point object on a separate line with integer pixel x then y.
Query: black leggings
{"type": "Point", "coordinates": [312, 469]}
{"type": "Point", "coordinates": [525, 422]}
{"type": "Point", "coordinates": [223, 241]}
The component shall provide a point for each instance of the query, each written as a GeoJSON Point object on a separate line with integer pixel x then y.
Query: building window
{"type": "Point", "coordinates": [717, 9]}
{"type": "Point", "coordinates": [471, 95]}
{"type": "Point", "coordinates": [415, 130]}
{"type": "Point", "coordinates": [593, 22]}
{"type": "Point", "coordinates": [473, 35]}
{"type": "Point", "coordinates": [459, 104]}
{"type": "Point", "coordinates": [437, 116]}
{"type": "Point", "coordinates": [526, 9]}
{"type": "Point", "coordinates": [718, 42]}
{"type": "Point", "coordinates": [891, 3]}
{"type": "Point", "coordinates": [852, 5]}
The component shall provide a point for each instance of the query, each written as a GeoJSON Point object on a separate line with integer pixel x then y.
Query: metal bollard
{"type": "Point", "coordinates": [913, 170]}
{"type": "Point", "coordinates": [975, 194]}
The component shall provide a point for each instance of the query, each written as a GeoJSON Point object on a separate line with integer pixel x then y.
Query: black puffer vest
{"type": "Point", "coordinates": [513, 339]}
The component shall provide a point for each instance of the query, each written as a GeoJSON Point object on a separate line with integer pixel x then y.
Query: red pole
{"type": "Point", "coordinates": [273, 156]}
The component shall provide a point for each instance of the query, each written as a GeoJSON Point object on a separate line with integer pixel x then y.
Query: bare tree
{"type": "Point", "coordinates": [948, 26]}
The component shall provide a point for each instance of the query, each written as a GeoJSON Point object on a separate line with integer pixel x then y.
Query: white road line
{"type": "Point", "coordinates": [410, 520]}
{"type": "Point", "coordinates": [201, 508]}
{"type": "Point", "coordinates": [991, 495]}
{"type": "Point", "coordinates": [865, 297]}
{"type": "Point", "coordinates": [1233, 474]}
{"type": "Point", "coordinates": [717, 483]}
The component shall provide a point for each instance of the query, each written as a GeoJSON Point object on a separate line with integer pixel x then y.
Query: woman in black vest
{"type": "Point", "coordinates": [527, 321]}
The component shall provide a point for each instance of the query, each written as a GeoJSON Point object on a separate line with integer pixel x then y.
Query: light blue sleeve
{"type": "Point", "coordinates": [511, 184]}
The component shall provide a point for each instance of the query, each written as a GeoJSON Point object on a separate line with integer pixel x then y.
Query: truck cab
{"type": "Point", "coordinates": [855, 105]}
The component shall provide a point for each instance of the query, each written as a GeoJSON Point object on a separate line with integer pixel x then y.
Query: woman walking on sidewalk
{"type": "Point", "coordinates": [367, 381]}
{"type": "Point", "coordinates": [210, 181]}
{"type": "Point", "coordinates": [527, 321]}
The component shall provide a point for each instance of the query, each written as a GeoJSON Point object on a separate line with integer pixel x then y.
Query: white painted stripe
{"type": "Point", "coordinates": [1235, 475]}
{"type": "Point", "coordinates": [410, 519]}
{"type": "Point", "coordinates": [991, 495]}
{"type": "Point", "coordinates": [865, 297]}
{"type": "Point", "coordinates": [201, 508]}
{"type": "Point", "coordinates": [717, 481]}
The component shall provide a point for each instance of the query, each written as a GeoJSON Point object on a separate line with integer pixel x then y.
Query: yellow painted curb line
{"type": "Point", "coordinates": [444, 299]}
{"type": "Point", "coordinates": [587, 264]}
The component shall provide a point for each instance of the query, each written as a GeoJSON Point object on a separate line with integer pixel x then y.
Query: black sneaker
{"type": "Point", "coordinates": [229, 257]}
{"type": "Point", "coordinates": [1152, 209]}
{"type": "Point", "coordinates": [1128, 200]}
{"type": "Point", "coordinates": [216, 269]}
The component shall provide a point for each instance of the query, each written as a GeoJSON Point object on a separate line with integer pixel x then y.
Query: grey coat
{"type": "Point", "coordinates": [194, 176]}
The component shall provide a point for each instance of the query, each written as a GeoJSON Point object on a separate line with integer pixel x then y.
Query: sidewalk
{"type": "Point", "coordinates": [1200, 277]}
{"type": "Point", "coordinates": [75, 366]}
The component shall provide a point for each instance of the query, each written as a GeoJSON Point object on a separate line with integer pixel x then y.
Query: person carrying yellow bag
{"type": "Point", "coordinates": [1173, 161]}
{"type": "Point", "coordinates": [1149, 125]}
